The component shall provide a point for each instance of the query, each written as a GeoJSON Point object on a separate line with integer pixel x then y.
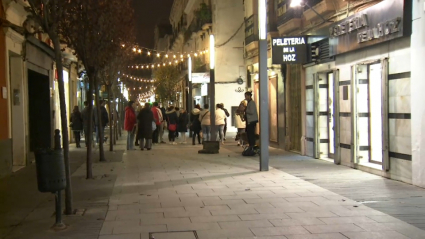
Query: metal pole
{"type": "Point", "coordinates": [58, 204]}
{"type": "Point", "coordinates": [191, 106]}
{"type": "Point", "coordinates": [264, 107]}
{"type": "Point", "coordinates": [212, 105]}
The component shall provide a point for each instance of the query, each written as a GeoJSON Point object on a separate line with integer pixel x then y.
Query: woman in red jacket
{"type": "Point", "coordinates": [130, 124]}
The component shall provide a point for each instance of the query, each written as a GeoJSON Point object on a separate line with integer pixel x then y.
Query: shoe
{"type": "Point", "coordinates": [222, 142]}
{"type": "Point", "coordinates": [142, 149]}
{"type": "Point", "coordinates": [149, 148]}
{"type": "Point", "coordinates": [239, 144]}
{"type": "Point", "coordinates": [163, 142]}
{"type": "Point", "coordinates": [193, 143]}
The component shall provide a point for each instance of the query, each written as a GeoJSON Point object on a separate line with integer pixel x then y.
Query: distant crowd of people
{"type": "Point", "coordinates": [146, 125]}
{"type": "Point", "coordinates": [79, 122]}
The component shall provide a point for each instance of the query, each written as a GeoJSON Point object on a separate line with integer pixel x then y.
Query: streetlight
{"type": "Point", "coordinates": [264, 86]}
{"type": "Point", "coordinates": [299, 3]}
{"type": "Point", "coordinates": [212, 88]}
{"type": "Point", "coordinates": [189, 72]}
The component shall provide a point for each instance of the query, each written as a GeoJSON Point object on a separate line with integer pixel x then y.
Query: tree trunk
{"type": "Point", "coordinates": [120, 126]}
{"type": "Point", "coordinates": [111, 120]}
{"type": "Point", "coordinates": [89, 136]}
{"type": "Point", "coordinates": [64, 123]}
{"type": "Point", "coordinates": [99, 119]}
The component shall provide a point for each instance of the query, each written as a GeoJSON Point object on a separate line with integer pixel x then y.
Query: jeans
{"type": "Point", "coordinates": [97, 133]}
{"type": "Point", "coordinates": [240, 131]}
{"type": "Point", "coordinates": [194, 134]}
{"type": "Point", "coordinates": [250, 133]}
{"type": "Point", "coordinates": [148, 144]}
{"type": "Point", "coordinates": [161, 132]}
{"type": "Point", "coordinates": [206, 132]}
{"type": "Point", "coordinates": [171, 135]}
{"type": "Point", "coordinates": [130, 140]}
{"type": "Point", "coordinates": [77, 135]}
{"type": "Point", "coordinates": [220, 132]}
{"type": "Point", "coordinates": [155, 135]}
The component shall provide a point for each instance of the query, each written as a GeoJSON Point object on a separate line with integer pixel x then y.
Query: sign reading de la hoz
{"type": "Point", "coordinates": [289, 50]}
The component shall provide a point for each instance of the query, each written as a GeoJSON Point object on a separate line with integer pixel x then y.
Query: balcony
{"type": "Point", "coordinates": [251, 32]}
{"type": "Point", "coordinates": [290, 20]}
{"type": "Point", "coordinates": [322, 7]}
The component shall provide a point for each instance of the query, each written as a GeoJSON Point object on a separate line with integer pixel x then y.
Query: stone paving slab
{"type": "Point", "coordinates": [172, 188]}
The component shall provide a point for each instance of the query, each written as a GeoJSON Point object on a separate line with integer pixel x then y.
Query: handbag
{"type": "Point", "coordinates": [172, 127]}
{"type": "Point", "coordinates": [153, 125]}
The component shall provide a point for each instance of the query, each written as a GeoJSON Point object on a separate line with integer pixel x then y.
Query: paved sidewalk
{"type": "Point", "coordinates": [172, 188]}
{"type": "Point", "coordinates": [27, 213]}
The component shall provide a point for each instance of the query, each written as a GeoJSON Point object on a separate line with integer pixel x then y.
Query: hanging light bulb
{"type": "Point", "coordinates": [159, 65]}
{"type": "Point", "coordinates": [175, 56]}
{"type": "Point", "coordinates": [182, 59]}
{"type": "Point", "coordinates": [140, 51]}
{"type": "Point", "coordinates": [166, 56]}
{"type": "Point", "coordinates": [158, 55]}
{"type": "Point", "coordinates": [143, 67]}
{"type": "Point", "coordinates": [169, 63]}
{"type": "Point", "coordinates": [149, 53]}
{"type": "Point", "coordinates": [134, 49]}
{"type": "Point", "coordinates": [163, 64]}
{"type": "Point", "coordinates": [153, 66]}
{"type": "Point", "coordinates": [196, 54]}
{"type": "Point", "coordinates": [188, 55]}
{"type": "Point", "coordinates": [181, 56]}
{"type": "Point", "coordinates": [137, 67]}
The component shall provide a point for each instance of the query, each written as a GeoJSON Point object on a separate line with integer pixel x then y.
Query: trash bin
{"type": "Point", "coordinates": [50, 170]}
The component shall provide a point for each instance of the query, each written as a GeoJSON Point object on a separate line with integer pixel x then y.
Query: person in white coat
{"type": "Point", "coordinates": [240, 122]}
{"type": "Point", "coordinates": [204, 117]}
{"type": "Point", "coordinates": [220, 121]}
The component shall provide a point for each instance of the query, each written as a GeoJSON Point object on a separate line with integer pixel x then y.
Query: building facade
{"type": "Point", "coordinates": [28, 91]}
{"type": "Point", "coordinates": [193, 22]}
{"type": "Point", "coordinates": [349, 99]}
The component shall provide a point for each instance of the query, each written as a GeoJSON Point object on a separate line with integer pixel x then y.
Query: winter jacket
{"type": "Point", "coordinates": [130, 119]}
{"type": "Point", "coordinates": [104, 116]}
{"type": "Point", "coordinates": [77, 121]}
{"type": "Point", "coordinates": [85, 115]}
{"type": "Point", "coordinates": [183, 121]}
{"type": "Point", "coordinates": [204, 117]}
{"type": "Point", "coordinates": [145, 118]}
{"type": "Point", "coordinates": [239, 123]}
{"type": "Point", "coordinates": [251, 112]}
{"type": "Point", "coordinates": [157, 115]}
{"type": "Point", "coordinates": [172, 117]}
{"type": "Point", "coordinates": [194, 119]}
{"type": "Point", "coordinates": [220, 117]}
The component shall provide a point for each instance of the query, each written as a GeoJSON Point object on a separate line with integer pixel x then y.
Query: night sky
{"type": "Point", "coordinates": [148, 13]}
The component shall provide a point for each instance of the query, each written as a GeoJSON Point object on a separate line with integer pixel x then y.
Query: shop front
{"type": "Point", "coordinates": [358, 103]}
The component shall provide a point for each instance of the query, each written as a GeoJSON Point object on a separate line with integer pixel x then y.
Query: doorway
{"type": "Point", "coordinates": [324, 115]}
{"type": "Point", "coordinates": [368, 121]}
{"type": "Point", "coordinates": [39, 110]}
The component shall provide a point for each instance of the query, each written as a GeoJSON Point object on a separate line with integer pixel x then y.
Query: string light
{"type": "Point", "coordinates": [134, 49]}
{"type": "Point", "coordinates": [158, 55]}
{"type": "Point", "coordinates": [166, 56]}
{"type": "Point", "coordinates": [149, 53]}
{"type": "Point", "coordinates": [175, 56]}
{"type": "Point", "coordinates": [140, 51]}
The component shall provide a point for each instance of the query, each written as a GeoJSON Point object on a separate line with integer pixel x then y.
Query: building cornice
{"type": "Point", "coordinates": [14, 35]}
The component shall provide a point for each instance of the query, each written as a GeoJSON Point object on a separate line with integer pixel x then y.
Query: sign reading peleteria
{"type": "Point", "coordinates": [289, 50]}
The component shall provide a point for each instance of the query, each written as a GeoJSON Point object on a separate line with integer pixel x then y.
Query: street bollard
{"type": "Point", "coordinates": [57, 139]}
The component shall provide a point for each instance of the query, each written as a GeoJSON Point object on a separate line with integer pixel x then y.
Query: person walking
{"type": "Point", "coordinates": [220, 117]}
{"type": "Point", "coordinates": [240, 122]}
{"type": "Point", "coordinates": [195, 125]}
{"type": "Point", "coordinates": [136, 131]}
{"type": "Point", "coordinates": [251, 119]}
{"type": "Point", "coordinates": [157, 115]}
{"type": "Point", "coordinates": [145, 122]}
{"type": "Point", "coordinates": [204, 117]}
{"type": "Point", "coordinates": [130, 124]}
{"type": "Point", "coordinates": [103, 113]}
{"type": "Point", "coordinates": [163, 125]}
{"type": "Point", "coordinates": [85, 116]}
{"type": "Point", "coordinates": [225, 120]}
{"type": "Point", "coordinates": [77, 125]}
{"type": "Point", "coordinates": [172, 124]}
{"type": "Point", "coordinates": [182, 125]}
{"type": "Point", "coordinates": [178, 114]}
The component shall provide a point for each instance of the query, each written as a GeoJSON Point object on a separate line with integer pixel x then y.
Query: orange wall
{"type": "Point", "coordinates": [3, 102]}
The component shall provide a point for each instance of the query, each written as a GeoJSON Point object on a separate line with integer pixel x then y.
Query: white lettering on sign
{"type": "Point", "coordinates": [289, 57]}
{"type": "Point", "coordinates": [288, 41]}
{"type": "Point", "coordinates": [348, 26]}
{"type": "Point", "coordinates": [288, 49]}
{"type": "Point", "coordinates": [381, 30]}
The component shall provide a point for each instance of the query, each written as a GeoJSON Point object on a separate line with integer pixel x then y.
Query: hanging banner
{"type": "Point", "coordinates": [198, 78]}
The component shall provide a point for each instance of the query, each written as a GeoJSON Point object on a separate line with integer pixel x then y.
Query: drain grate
{"type": "Point", "coordinates": [174, 235]}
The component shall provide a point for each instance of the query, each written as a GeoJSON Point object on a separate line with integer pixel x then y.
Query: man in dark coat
{"type": "Point", "coordinates": [182, 125]}
{"type": "Point", "coordinates": [145, 121]}
{"type": "Point", "coordinates": [105, 120]}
